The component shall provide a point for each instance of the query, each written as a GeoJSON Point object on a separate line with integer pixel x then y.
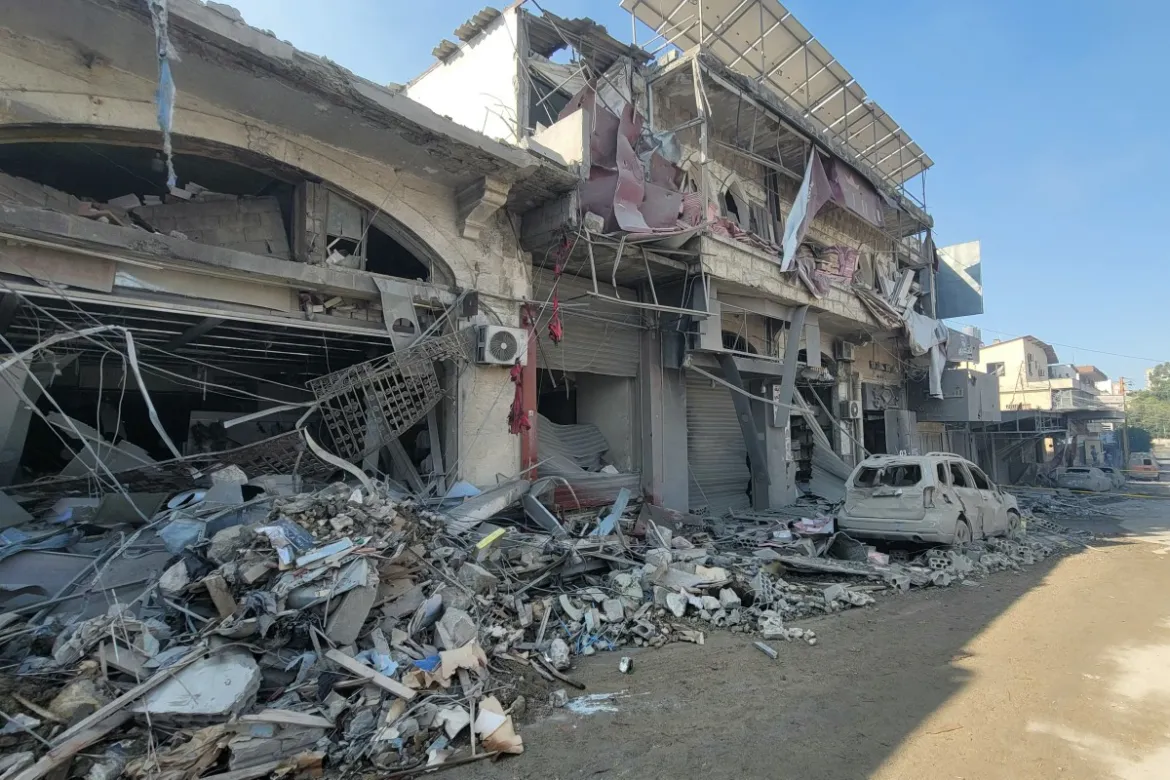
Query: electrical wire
{"type": "Point", "coordinates": [1067, 346]}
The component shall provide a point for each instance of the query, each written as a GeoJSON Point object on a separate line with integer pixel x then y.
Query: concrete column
{"type": "Point", "coordinates": [486, 448]}
{"type": "Point", "coordinates": [663, 427]}
{"type": "Point", "coordinates": [775, 432]}
{"type": "Point", "coordinates": [15, 414]}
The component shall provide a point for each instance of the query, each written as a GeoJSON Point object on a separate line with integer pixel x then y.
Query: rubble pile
{"type": "Point", "coordinates": [358, 626]}
{"type": "Point", "coordinates": [1062, 503]}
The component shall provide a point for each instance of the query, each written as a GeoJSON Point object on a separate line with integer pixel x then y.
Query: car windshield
{"type": "Point", "coordinates": [1078, 471]}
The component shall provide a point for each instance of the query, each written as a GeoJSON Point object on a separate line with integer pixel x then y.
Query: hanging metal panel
{"type": "Point", "coordinates": [600, 337]}
{"type": "Point", "coordinates": [716, 452]}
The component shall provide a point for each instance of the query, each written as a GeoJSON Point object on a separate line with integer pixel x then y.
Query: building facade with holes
{"type": "Point", "coordinates": [740, 294]}
{"type": "Point", "coordinates": [319, 223]}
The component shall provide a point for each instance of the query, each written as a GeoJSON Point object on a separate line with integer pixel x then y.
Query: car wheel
{"type": "Point", "coordinates": [962, 532]}
{"type": "Point", "coordinates": [1014, 521]}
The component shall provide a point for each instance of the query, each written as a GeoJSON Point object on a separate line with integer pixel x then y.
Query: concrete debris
{"type": "Point", "coordinates": [381, 620]}
{"type": "Point", "coordinates": [77, 700]}
{"type": "Point", "coordinates": [220, 686]}
{"type": "Point", "coordinates": [558, 654]}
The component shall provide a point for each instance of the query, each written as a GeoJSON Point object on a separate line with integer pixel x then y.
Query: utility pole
{"type": "Point", "coordinates": [1124, 425]}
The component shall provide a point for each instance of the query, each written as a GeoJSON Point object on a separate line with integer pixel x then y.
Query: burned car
{"type": "Point", "coordinates": [937, 497]}
{"type": "Point", "coordinates": [1085, 478]}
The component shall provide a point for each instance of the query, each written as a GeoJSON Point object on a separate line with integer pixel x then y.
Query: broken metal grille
{"type": "Point", "coordinates": [368, 405]}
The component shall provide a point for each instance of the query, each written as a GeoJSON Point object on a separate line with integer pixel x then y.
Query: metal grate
{"type": "Point", "coordinates": [284, 453]}
{"type": "Point", "coordinates": [368, 405]}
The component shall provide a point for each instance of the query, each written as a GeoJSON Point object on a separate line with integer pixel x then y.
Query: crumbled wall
{"type": "Point", "coordinates": [245, 224]}
{"type": "Point", "coordinates": [22, 192]}
{"type": "Point", "coordinates": [476, 86]}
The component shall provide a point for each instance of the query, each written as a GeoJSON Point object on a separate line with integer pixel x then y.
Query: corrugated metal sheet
{"type": "Point", "coordinates": [599, 337]}
{"type": "Point", "coordinates": [575, 453]}
{"type": "Point", "coordinates": [716, 452]}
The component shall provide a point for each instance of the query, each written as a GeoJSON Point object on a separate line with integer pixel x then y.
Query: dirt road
{"type": "Point", "coordinates": [1060, 671]}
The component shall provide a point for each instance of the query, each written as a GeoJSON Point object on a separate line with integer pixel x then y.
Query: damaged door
{"type": "Point", "coordinates": [716, 452]}
{"type": "Point", "coordinates": [970, 498]}
{"type": "Point", "coordinates": [994, 511]}
{"type": "Point", "coordinates": [599, 337]}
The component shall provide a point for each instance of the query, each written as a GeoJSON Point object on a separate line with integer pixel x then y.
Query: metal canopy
{"type": "Point", "coordinates": [763, 40]}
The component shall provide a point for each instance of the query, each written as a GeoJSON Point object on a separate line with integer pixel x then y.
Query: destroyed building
{"type": "Point", "coordinates": [740, 296]}
{"type": "Point", "coordinates": [1052, 414]}
{"type": "Point", "coordinates": [313, 221]}
{"type": "Point", "coordinates": [379, 405]}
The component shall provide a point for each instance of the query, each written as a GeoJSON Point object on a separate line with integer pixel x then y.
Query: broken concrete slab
{"type": "Point", "coordinates": [228, 544]}
{"type": "Point", "coordinates": [77, 700]}
{"type": "Point", "coordinates": [218, 686]}
{"type": "Point", "coordinates": [479, 579]}
{"type": "Point", "coordinates": [455, 629]}
{"type": "Point", "coordinates": [354, 574]}
{"type": "Point", "coordinates": [539, 514]}
{"type": "Point", "coordinates": [476, 509]}
{"type": "Point", "coordinates": [729, 599]}
{"type": "Point", "coordinates": [613, 610]}
{"type": "Point", "coordinates": [175, 580]}
{"type": "Point", "coordinates": [558, 654]}
{"type": "Point", "coordinates": [347, 618]}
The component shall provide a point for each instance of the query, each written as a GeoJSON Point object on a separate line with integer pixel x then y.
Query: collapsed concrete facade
{"type": "Point", "coordinates": [313, 211]}
{"type": "Point", "coordinates": [730, 337]}
{"type": "Point", "coordinates": [722, 303]}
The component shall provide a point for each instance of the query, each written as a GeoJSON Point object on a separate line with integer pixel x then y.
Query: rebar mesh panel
{"type": "Point", "coordinates": [368, 405]}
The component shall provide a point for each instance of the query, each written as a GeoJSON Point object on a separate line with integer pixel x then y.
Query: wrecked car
{"type": "Point", "coordinates": [938, 497]}
{"type": "Point", "coordinates": [1116, 476]}
{"type": "Point", "coordinates": [1085, 478]}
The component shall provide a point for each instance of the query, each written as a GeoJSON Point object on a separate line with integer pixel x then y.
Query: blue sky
{"type": "Point", "coordinates": [1046, 120]}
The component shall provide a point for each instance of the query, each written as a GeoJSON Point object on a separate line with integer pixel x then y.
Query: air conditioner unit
{"type": "Point", "coordinates": [499, 346]}
{"type": "Point", "coordinates": [843, 350]}
{"type": "Point", "coordinates": [851, 410]}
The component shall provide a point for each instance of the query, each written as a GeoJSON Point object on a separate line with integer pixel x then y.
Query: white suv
{"type": "Point", "coordinates": [937, 497]}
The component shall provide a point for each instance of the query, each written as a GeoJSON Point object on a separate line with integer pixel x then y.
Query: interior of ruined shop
{"type": "Point", "coordinates": [606, 402]}
{"type": "Point", "coordinates": [201, 371]}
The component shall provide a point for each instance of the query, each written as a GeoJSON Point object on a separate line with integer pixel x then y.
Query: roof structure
{"type": "Point", "coordinates": [1091, 374]}
{"type": "Point", "coordinates": [1049, 352]}
{"type": "Point", "coordinates": [763, 40]}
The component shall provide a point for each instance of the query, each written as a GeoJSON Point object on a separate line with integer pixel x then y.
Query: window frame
{"type": "Point", "coordinates": [966, 477]}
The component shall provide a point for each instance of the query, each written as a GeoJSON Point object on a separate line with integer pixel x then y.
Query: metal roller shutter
{"type": "Point", "coordinates": [600, 337]}
{"type": "Point", "coordinates": [716, 452]}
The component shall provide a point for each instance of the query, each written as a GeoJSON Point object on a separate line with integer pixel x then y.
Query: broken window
{"type": "Point", "coordinates": [736, 205]}
{"type": "Point", "coordinates": [995, 368]}
{"type": "Point", "coordinates": [904, 475]}
{"type": "Point", "coordinates": [959, 476]}
{"type": "Point", "coordinates": [867, 477]}
{"type": "Point", "coordinates": [981, 480]}
{"type": "Point", "coordinates": [898, 475]}
{"type": "Point", "coordinates": [345, 232]}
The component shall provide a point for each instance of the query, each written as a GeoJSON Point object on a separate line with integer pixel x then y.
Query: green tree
{"type": "Point", "coordinates": [1149, 409]}
{"type": "Point", "coordinates": [1140, 440]}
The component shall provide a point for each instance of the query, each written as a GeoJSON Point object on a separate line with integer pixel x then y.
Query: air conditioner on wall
{"type": "Point", "coordinates": [499, 346]}
{"type": "Point", "coordinates": [843, 350]}
{"type": "Point", "coordinates": [850, 410]}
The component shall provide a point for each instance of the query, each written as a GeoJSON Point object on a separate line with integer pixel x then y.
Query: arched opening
{"type": "Point", "coordinates": [227, 197]}
{"type": "Point", "coordinates": [211, 350]}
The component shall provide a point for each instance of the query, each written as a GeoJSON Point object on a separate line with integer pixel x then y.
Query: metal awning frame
{"type": "Point", "coordinates": [889, 152]}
